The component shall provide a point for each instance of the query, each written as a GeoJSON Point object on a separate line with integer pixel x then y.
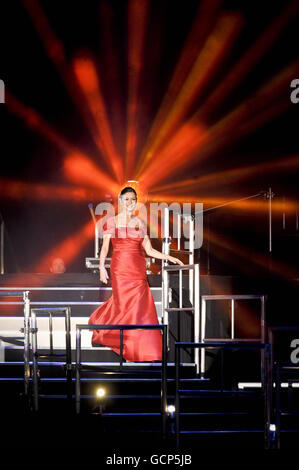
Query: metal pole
{"type": "Point", "coordinates": [191, 257]}
{"type": "Point", "coordinates": [278, 410]}
{"type": "Point", "coordinates": [165, 279]}
{"type": "Point", "coordinates": [270, 219]}
{"type": "Point", "coordinates": [177, 395]}
{"type": "Point", "coordinates": [263, 337]}
{"type": "Point", "coordinates": [121, 347]}
{"type": "Point", "coordinates": [233, 319]}
{"type": "Point", "coordinates": [96, 241]}
{"type": "Point", "coordinates": [267, 396]}
{"type": "Point", "coordinates": [78, 366]}
{"type": "Point", "coordinates": [164, 381]}
{"type": "Point", "coordinates": [2, 247]}
{"type": "Point", "coordinates": [26, 343]}
{"type": "Point", "coordinates": [179, 221]}
{"type": "Point", "coordinates": [68, 352]}
{"type": "Point", "coordinates": [51, 332]}
{"type": "Point", "coordinates": [202, 335]}
{"type": "Point", "coordinates": [196, 313]}
{"type": "Point", "coordinates": [34, 359]}
{"type": "Point", "coordinates": [283, 213]}
{"type": "Point", "coordinates": [180, 303]}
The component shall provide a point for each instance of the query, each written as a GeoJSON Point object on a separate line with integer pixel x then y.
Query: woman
{"type": "Point", "coordinates": [131, 301]}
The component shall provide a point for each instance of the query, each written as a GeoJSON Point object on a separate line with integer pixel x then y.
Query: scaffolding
{"type": "Point", "coordinates": [79, 367]}
{"type": "Point", "coordinates": [232, 298]}
{"type": "Point", "coordinates": [194, 278]}
{"type": "Point", "coordinates": [26, 330]}
{"type": "Point", "coordinates": [42, 312]}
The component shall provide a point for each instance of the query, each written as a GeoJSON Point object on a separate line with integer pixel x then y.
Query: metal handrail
{"type": "Point", "coordinates": [224, 345]}
{"type": "Point", "coordinates": [78, 366]}
{"type": "Point", "coordinates": [231, 297]}
{"type": "Point", "coordinates": [58, 311]}
{"type": "Point", "coordinates": [278, 368]}
{"type": "Point", "coordinates": [196, 301]}
{"type": "Point", "coordinates": [26, 330]}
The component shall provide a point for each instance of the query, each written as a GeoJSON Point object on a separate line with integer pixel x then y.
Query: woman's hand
{"type": "Point", "coordinates": [175, 260]}
{"type": "Point", "coordinates": [103, 275]}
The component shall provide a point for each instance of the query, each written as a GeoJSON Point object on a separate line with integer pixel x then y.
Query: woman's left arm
{"type": "Point", "coordinates": [150, 251]}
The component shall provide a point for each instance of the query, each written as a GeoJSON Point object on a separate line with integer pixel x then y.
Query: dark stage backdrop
{"type": "Point", "coordinates": [36, 222]}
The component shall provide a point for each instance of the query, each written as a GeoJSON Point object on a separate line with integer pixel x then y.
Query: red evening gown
{"type": "Point", "coordinates": [131, 301]}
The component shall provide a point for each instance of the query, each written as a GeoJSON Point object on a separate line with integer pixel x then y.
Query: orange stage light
{"type": "Point", "coordinates": [12, 189]}
{"type": "Point", "coordinates": [237, 203]}
{"type": "Point", "coordinates": [85, 72]}
{"type": "Point", "coordinates": [137, 23]}
{"type": "Point", "coordinates": [192, 139]}
{"type": "Point", "coordinates": [67, 249]}
{"type": "Point", "coordinates": [232, 175]}
{"type": "Point", "coordinates": [80, 169]}
{"type": "Point", "coordinates": [259, 259]}
{"type": "Point", "coordinates": [208, 60]}
{"type": "Point", "coordinates": [35, 122]}
{"type": "Point", "coordinates": [202, 24]}
{"type": "Point", "coordinates": [94, 115]}
{"type": "Point", "coordinates": [249, 60]}
{"type": "Point", "coordinates": [173, 155]}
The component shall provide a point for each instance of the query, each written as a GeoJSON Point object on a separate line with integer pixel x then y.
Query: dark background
{"type": "Point", "coordinates": [34, 226]}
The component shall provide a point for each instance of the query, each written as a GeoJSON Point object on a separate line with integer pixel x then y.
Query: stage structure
{"type": "Point", "coordinates": [193, 273]}
{"type": "Point", "coordinates": [24, 295]}
{"type": "Point", "coordinates": [67, 307]}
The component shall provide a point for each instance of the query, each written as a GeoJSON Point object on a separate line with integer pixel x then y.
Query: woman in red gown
{"type": "Point", "coordinates": [131, 301]}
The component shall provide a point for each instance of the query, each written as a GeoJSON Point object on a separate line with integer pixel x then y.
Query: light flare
{"type": "Point", "coordinates": [201, 26]}
{"type": "Point", "coordinates": [82, 170]}
{"type": "Point", "coordinates": [208, 60]}
{"type": "Point", "coordinates": [231, 175]}
{"type": "Point", "coordinates": [85, 72]}
{"type": "Point", "coordinates": [137, 23]}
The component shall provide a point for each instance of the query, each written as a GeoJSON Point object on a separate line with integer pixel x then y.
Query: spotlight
{"type": "Point", "coordinates": [272, 432]}
{"type": "Point", "coordinates": [100, 392]}
{"type": "Point", "coordinates": [170, 409]}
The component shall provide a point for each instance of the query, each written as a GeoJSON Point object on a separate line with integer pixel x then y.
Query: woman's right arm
{"type": "Point", "coordinates": [103, 255]}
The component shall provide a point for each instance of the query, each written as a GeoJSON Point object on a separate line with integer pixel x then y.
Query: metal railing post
{"type": "Point", "coordinates": [235, 344]}
{"type": "Point", "coordinates": [2, 268]}
{"type": "Point", "coordinates": [26, 343]}
{"type": "Point", "coordinates": [164, 381]}
{"type": "Point", "coordinates": [78, 369]}
{"type": "Point", "coordinates": [191, 258]}
{"type": "Point", "coordinates": [34, 360]}
{"type": "Point", "coordinates": [195, 308]}
{"type": "Point", "coordinates": [232, 298]}
{"type": "Point", "coordinates": [68, 352]}
{"type": "Point", "coordinates": [177, 395]}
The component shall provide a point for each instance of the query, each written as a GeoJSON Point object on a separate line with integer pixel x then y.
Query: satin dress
{"type": "Point", "coordinates": [131, 301]}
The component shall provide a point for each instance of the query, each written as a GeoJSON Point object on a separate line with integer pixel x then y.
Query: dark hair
{"type": "Point", "coordinates": [128, 189]}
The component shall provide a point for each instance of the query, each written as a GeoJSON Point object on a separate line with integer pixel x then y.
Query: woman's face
{"type": "Point", "coordinates": [128, 201]}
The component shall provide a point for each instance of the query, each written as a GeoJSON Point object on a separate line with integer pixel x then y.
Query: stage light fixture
{"type": "Point", "coordinates": [100, 393]}
{"type": "Point", "coordinates": [170, 410]}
